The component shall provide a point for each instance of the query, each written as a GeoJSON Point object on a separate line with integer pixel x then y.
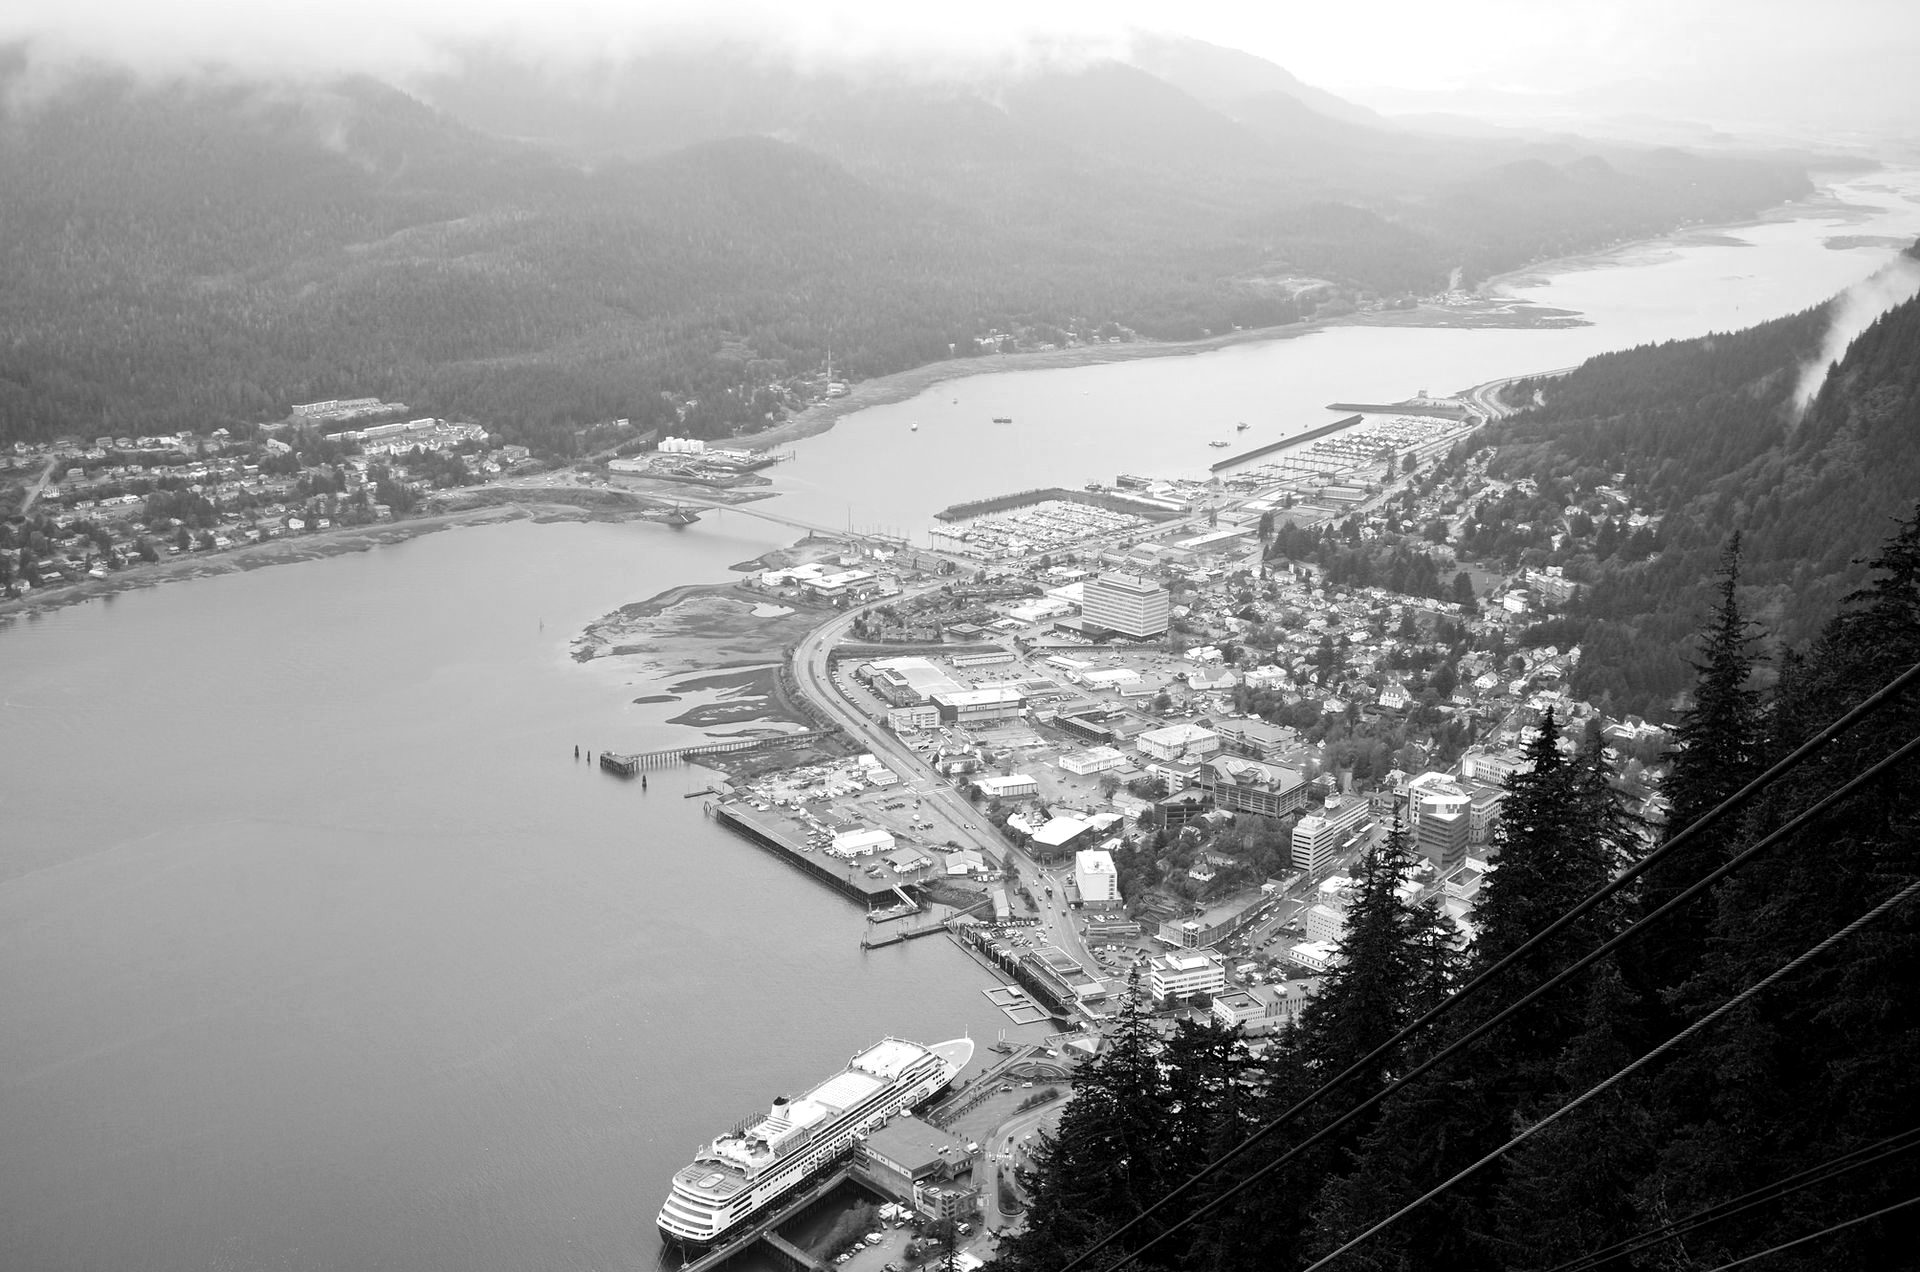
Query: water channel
{"type": "Point", "coordinates": [318, 949]}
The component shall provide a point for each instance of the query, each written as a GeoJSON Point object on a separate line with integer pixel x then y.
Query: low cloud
{"type": "Point", "coordinates": [1849, 314]}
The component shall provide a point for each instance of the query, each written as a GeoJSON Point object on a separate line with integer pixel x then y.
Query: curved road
{"type": "Point", "coordinates": [953, 814]}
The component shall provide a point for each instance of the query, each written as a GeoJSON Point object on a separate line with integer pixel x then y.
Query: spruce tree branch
{"type": "Point", "coordinates": [1633, 1066]}
{"type": "Point", "coordinates": [1814, 1236]}
{"type": "Point", "coordinates": [1834, 1167]}
{"type": "Point", "coordinates": [1869, 706]}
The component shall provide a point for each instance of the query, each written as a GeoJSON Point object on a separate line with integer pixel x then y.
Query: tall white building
{"type": "Point", "coordinates": [1127, 604]}
{"type": "Point", "coordinates": [1094, 876]}
{"type": "Point", "coordinates": [1183, 975]}
{"type": "Point", "coordinates": [1318, 836]}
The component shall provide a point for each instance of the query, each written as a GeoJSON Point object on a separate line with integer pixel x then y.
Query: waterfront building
{"type": "Point", "coordinates": [1318, 837]}
{"type": "Point", "coordinates": [859, 843]}
{"type": "Point", "coordinates": [1179, 976]}
{"type": "Point", "coordinates": [921, 1166]}
{"type": "Point", "coordinates": [1095, 878]}
{"type": "Point", "coordinates": [1179, 742]}
{"type": "Point", "coordinates": [1126, 605]}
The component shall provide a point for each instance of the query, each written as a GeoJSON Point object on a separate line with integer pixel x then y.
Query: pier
{"type": "Point", "coordinates": [1299, 439]}
{"type": "Point", "coordinates": [905, 934]}
{"type": "Point", "coordinates": [628, 765]}
{"type": "Point", "coordinates": [762, 1230]}
{"type": "Point", "coordinates": [844, 877]}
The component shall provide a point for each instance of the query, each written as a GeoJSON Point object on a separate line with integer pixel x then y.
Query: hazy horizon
{"type": "Point", "coordinates": [1766, 65]}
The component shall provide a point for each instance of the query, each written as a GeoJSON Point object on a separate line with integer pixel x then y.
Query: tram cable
{"type": "Point", "coordinates": [1866, 708]}
{"type": "Point", "coordinates": [1598, 1088]}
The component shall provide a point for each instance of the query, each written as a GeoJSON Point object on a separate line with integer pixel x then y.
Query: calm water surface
{"type": "Point", "coordinates": [319, 950]}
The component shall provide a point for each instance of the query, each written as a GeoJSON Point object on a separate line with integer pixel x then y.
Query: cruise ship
{"type": "Point", "coordinates": [733, 1179]}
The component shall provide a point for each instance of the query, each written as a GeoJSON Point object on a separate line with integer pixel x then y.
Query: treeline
{"type": "Point", "coordinates": [1706, 436]}
{"type": "Point", "coordinates": [1775, 1041]}
{"type": "Point", "coordinates": [196, 256]}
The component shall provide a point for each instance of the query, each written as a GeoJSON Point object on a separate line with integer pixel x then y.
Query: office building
{"type": "Point", "coordinates": [1094, 876]}
{"type": "Point", "coordinates": [1126, 605]}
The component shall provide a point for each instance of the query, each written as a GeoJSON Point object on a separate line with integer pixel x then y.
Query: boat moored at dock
{"type": "Point", "coordinates": [764, 1158]}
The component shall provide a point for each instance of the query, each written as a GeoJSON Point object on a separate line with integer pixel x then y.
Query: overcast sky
{"type": "Point", "coordinates": [1834, 64]}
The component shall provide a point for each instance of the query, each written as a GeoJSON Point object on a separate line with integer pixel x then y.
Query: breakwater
{"type": "Point", "coordinates": [1299, 439]}
{"type": "Point", "coordinates": [1440, 410]}
{"type": "Point", "coordinates": [1042, 494]}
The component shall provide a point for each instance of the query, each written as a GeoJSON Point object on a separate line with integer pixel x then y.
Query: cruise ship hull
{"type": "Point", "coordinates": [752, 1170]}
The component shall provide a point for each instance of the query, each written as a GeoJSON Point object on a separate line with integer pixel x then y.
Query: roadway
{"type": "Point", "coordinates": [1003, 1151]}
{"type": "Point", "coordinates": [954, 816]}
{"type": "Point", "coordinates": [34, 491]}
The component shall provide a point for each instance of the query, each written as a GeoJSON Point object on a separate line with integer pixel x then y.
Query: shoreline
{"type": "Point", "coordinates": [307, 547]}
{"type": "Point", "coordinates": [899, 386]}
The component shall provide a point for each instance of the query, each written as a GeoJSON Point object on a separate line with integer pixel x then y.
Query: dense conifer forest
{"type": "Point", "coordinates": [1746, 1068]}
{"type": "Point", "coordinates": [1706, 436]}
{"type": "Point", "coordinates": [192, 255]}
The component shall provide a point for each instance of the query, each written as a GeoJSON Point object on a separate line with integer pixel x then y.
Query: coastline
{"type": "Point", "coordinates": [306, 547]}
{"type": "Point", "coordinates": [898, 386]}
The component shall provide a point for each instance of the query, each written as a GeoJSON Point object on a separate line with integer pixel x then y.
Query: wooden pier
{"type": "Point", "coordinates": [906, 934]}
{"type": "Point", "coordinates": [628, 765]}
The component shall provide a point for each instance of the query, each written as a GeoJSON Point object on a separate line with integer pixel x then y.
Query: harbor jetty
{"type": "Point", "coordinates": [880, 887]}
{"type": "Point", "coordinates": [1298, 439]}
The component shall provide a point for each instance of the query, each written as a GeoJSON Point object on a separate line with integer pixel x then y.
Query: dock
{"type": "Point", "coordinates": [845, 877]}
{"type": "Point", "coordinates": [905, 934]}
{"type": "Point", "coordinates": [1298, 439]}
{"type": "Point", "coordinates": [762, 1230]}
{"type": "Point", "coordinates": [628, 765]}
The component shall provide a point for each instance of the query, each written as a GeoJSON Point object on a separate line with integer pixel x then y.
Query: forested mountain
{"type": "Point", "coordinates": [1707, 437]}
{"type": "Point", "coordinates": [1719, 1059]}
{"type": "Point", "coordinates": [663, 239]}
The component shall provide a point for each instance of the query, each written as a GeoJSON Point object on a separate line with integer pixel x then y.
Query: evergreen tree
{"type": "Point", "coordinates": [1716, 751]}
{"type": "Point", "coordinates": [1825, 1061]}
{"type": "Point", "coordinates": [1110, 1158]}
{"type": "Point", "coordinates": [1552, 849]}
{"type": "Point", "coordinates": [1397, 961]}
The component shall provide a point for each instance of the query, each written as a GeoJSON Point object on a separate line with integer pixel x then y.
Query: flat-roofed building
{"type": "Point", "coordinates": [917, 719]}
{"type": "Point", "coordinates": [1255, 739]}
{"type": "Point", "coordinates": [1248, 786]}
{"type": "Point", "coordinates": [1095, 877]}
{"type": "Point", "coordinates": [1012, 786]}
{"type": "Point", "coordinates": [859, 843]}
{"type": "Point", "coordinates": [1175, 976]}
{"type": "Point", "coordinates": [971, 706]}
{"type": "Point", "coordinates": [1317, 837]}
{"type": "Point", "coordinates": [1126, 605]}
{"type": "Point", "coordinates": [1097, 759]}
{"type": "Point", "coordinates": [1440, 814]}
{"type": "Point", "coordinates": [1179, 742]}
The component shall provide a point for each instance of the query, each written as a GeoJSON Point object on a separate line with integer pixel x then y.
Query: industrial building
{"type": "Point", "coordinates": [1126, 605]}
{"type": "Point", "coordinates": [1013, 786]}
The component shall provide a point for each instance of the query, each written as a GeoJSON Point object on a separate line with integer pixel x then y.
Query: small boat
{"type": "Point", "coordinates": [914, 427]}
{"type": "Point", "coordinates": [1003, 419]}
{"type": "Point", "coordinates": [1240, 427]}
{"type": "Point", "coordinates": [1216, 443]}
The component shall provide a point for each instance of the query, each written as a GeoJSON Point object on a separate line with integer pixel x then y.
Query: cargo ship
{"type": "Point", "coordinates": [751, 1167]}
